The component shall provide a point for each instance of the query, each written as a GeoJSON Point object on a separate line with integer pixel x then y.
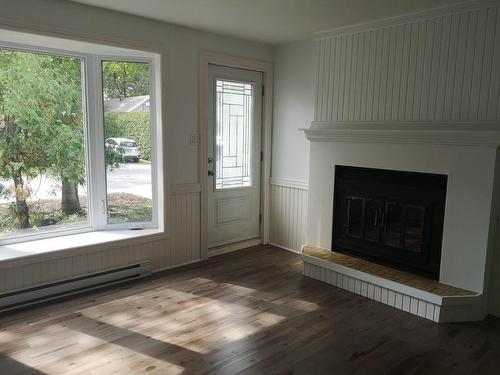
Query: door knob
{"type": "Point", "coordinates": [211, 161]}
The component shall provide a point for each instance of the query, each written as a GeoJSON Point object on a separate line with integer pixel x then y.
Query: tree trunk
{"type": "Point", "coordinates": [22, 210]}
{"type": "Point", "coordinates": [70, 204]}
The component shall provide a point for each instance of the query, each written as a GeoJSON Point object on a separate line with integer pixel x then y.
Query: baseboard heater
{"type": "Point", "coordinates": [62, 288]}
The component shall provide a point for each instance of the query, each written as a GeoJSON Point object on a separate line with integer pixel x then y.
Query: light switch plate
{"type": "Point", "coordinates": [194, 140]}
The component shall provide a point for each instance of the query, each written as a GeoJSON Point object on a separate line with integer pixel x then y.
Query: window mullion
{"type": "Point", "coordinates": [97, 171]}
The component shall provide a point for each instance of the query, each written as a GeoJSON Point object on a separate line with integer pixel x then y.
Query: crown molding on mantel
{"type": "Point", "coordinates": [485, 134]}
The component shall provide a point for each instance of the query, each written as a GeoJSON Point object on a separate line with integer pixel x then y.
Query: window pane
{"type": "Point", "coordinates": [127, 125]}
{"type": "Point", "coordinates": [42, 148]}
{"type": "Point", "coordinates": [233, 135]}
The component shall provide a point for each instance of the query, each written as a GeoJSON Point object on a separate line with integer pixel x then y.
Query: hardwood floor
{"type": "Point", "coordinates": [249, 312]}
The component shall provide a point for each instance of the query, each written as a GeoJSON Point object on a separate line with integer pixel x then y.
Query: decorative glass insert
{"type": "Point", "coordinates": [233, 138]}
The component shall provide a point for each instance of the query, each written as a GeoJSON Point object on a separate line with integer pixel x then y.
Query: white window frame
{"type": "Point", "coordinates": [92, 56]}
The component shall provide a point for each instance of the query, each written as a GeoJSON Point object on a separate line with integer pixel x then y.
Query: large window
{"type": "Point", "coordinates": [78, 142]}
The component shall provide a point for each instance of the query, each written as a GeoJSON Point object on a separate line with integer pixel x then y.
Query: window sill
{"type": "Point", "coordinates": [24, 250]}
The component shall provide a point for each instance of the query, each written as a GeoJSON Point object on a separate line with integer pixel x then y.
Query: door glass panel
{"type": "Point", "coordinates": [127, 126]}
{"type": "Point", "coordinates": [414, 228]}
{"type": "Point", "coordinates": [233, 132]}
{"type": "Point", "coordinates": [393, 225]}
{"type": "Point", "coordinates": [355, 217]}
{"type": "Point", "coordinates": [372, 217]}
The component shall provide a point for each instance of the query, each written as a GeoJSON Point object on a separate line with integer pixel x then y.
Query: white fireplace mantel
{"type": "Point", "coordinates": [485, 133]}
{"type": "Point", "coordinates": [466, 152]}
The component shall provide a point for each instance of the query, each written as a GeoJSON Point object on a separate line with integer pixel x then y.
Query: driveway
{"type": "Point", "coordinates": [133, 178]}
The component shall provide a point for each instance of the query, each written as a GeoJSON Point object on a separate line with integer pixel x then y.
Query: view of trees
{"type": "Point", "coordinates": [41, 128]}
{"type": "Point", "coordinates": [41, 122]}
{"type": "Point", "coordinates": [122, 80]}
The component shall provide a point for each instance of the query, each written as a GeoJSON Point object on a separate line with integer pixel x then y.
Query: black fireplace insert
{"type": "Point", "coordinates": [389, 217]}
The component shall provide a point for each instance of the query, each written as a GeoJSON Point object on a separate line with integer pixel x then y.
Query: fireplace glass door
{"type": "Point", "coordinates": [395, 218]}
{"type": "Point", "coordinates": [388, 223]}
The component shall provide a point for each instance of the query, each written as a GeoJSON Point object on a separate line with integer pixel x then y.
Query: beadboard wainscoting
{"type": "Point", "coordinates": [288, 213]}
{"type": "Point", "coordinates": [433, 66]}
{"type": "Point", "coordinates": [401, 301]}
{"type": "Point", "coordinates": [418, 296]}
{"type": "Point", "coordinates": [181, 247]}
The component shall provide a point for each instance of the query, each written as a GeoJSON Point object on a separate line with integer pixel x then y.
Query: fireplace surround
{"type": "Point", "coordinates": [467, 154]}
{"type": "Point", "coordinates": [394, 218]}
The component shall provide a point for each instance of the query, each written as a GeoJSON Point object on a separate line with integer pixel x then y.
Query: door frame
{"type": "Point", "coordinates": [266, 68]}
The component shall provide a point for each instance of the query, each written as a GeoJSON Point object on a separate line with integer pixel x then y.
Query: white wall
{"type": "Point", "coordinates": [493, 271]}
{"type": "Point", "coordinates": [294, 94]}
{"type": "Point", "coordinates": [180, 51]}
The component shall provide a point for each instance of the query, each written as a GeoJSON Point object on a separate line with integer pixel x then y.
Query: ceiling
{"type": "Point", "coordinates": [269, 21]}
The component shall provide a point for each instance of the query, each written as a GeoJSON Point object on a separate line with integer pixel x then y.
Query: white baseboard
{"type": "Point", "coordinates": [223, 249]}
{"type": "Point", "coordinates": [285, 248]}
{"type": "Point", "coordinates": [177, 265]}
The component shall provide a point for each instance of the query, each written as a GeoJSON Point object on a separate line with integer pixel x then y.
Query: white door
{"type": "Point", "coordinates": [234, 154]}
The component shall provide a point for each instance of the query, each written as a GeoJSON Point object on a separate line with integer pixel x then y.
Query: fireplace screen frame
{"type": "Point", "coordinates": [415, 243]}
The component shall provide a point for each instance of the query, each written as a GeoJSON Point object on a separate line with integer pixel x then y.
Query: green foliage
{"type": "Point", "coordinates": [41, 120]}
{"type": "Point", "coordinates": [123, 208]}
{"type": "Point", "coordinates": [42, 213]}
{"type": "Point", "coordinates": [124, 79]}
{"type": "Point", "coordinates": [40, 115]}
{"type": "Point", "coordinates": [8, 218]}
{"type": "Point", "coordinates": [134, 125]}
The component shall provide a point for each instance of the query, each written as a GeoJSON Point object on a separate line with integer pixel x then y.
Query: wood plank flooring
{"type": "Point", "coordinates": [248, 312]}
{"type": "Point", "coordinates": [405, 278]}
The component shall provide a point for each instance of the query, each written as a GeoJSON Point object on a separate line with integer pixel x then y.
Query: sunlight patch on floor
{"type": "Point", "coordinates": [153, 330]}
{"type": "Point", "coordinates": [84, 352]}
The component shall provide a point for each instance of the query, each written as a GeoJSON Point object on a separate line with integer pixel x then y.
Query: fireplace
{"type": "Point", "coordinates": [393, 218]}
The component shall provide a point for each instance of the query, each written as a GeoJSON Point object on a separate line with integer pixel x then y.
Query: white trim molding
{"type": "Point", "coordinates": [469, 5]}
{"type": "Point", "coordinates": [291, 183]}
{"type": "Point", "coordinates": [485, 134]}
{"type": "Point", "coordinates": [224, 249]}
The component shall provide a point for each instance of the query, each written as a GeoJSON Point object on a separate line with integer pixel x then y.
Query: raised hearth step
{"type": "Point", "coordinates": [412, 293]}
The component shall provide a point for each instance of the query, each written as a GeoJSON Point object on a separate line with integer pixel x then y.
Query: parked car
{"type": "Point", "coordinates": [127, 149]}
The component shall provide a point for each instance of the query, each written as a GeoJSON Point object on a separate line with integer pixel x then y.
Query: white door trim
{"type": "Point", "coordinates": [266, 68]}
